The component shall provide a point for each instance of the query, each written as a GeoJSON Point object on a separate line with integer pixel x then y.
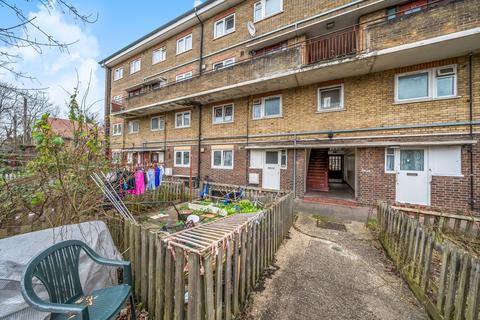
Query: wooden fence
{"type": "Point", "coordinates": [177, 282]}
{"type": "Point", "coordinates": [445, 278]}
{"type": "Point", "coordinates": [251, 193]}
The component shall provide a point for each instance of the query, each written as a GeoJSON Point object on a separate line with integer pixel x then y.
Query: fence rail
{"type": "Point", "coordinates": [445, 278]}
{"type": "Point", "coordinates": [333, 46]}
{"type": "Point", "coordinates": [175, 282]}
{"type": "Point", "coordinates": [251, 193]}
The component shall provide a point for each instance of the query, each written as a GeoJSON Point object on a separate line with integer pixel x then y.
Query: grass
{"type": "Point", "coordinates": [372, 224]}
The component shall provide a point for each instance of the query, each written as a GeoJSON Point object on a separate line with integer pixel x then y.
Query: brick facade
{"type": "Point", "coordinates": [370, 113]}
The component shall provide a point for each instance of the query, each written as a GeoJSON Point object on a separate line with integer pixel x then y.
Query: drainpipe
{"type": "Point", "coordinates": [470, 103]}
{"type": "Point", "coordinates": [199, 161]}
{"type": "Point", "coordinates": [108, 75]}
{"type": "Point", "coordinates": [200, 69]}
{"type": "Point", "coordinates": [294, 167]}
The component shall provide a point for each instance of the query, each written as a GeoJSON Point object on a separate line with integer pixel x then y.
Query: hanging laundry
{"type": "Point", "coordinates": [158, 175]}
{"type": "Point", "coordinates": [139, 184]}
{"type": "Point", "coordinates": [151, 179]}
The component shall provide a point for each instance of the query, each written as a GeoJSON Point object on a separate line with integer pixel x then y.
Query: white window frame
{"type": "Point", "coordinates": [130, 128]}
{"type": "Point", "coordinates": [223, 113]}
{"type": "Point", "coordinates": [118, 99]}
{"type": "Point", "coordinates": [129, 157]}
{"type": "Point", "coordinates": [263, 6]}
{"type": "Point", "coordinates": [183, 113]}
{"type": "Point", "coordinates": [395, 157]}
{"type": "Point", "coordinates": [432, 93]}
{"type": "Point", "coordinates": [118, 74]}
{"type": "Point", "coordinates": [133, 64]}
{"type": "Point", "coordinates": [183, 40]}
{"type": "Point", "coordinates": [161, 124]}
{"type": "Point", "coordinates": [184, 76]}
{"type": "Point", "coordinates": [263, 116]}
{"type": "Point", "coordinates": [117, 129]}
{"type": "Point", "coordinates": [182, 165]}
{"type": "Point", "coordinates": [116, 157]}
{"type": "Point", "coordinates": [163, 55]}
{"type": "Point", "coordinates": [328, 88]}
{"type": "Point", "coordinates": [225, 31]}
{"type": "Point", "coordinates": [224, 64]}
{"type": "Point", "coordinates": [283, 166]}
{"type": "Point", "coordinates": [222, 159]}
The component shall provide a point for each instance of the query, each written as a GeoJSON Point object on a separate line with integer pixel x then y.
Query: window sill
{"type": "Point", "coordinates": [117, 79]}
{"type": "Point", "coordinates": [155, 130]}
{"type": "Point", "coordinates": [116, 135]}
{"type": "Point", "coordinates": [223, 168]}
{"type": "Point", "coordinates": [220, 123]}
{"type": "Point", "coordinates": [179, 166]}
{"type": "Point", "coordinates": [448, 175]}
{"type": "Point", "coordinates": [223, 35]}
{"type": "Point", "coordinates": [133, 132]}
{"type": "Point", "coordinates": [179, 53]}
{"type": "Point", "coordinates": [426, 100]}
{"type": "Point", "coordinates": [268, 17]}
{"type": "Point", "coordinates": [158, 62]}
{"type": "Point", "coordinates": [267, 118]}
{"type": "Point", "coordinates": [134, 72]}
{"type": "Point", "coordinates": [330, 110]}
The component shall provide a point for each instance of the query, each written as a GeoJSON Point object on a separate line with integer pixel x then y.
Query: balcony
{"type": "Point", "coordinates": [434, 31]}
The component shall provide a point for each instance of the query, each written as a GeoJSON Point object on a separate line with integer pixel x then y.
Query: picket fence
{"type": "Point", "coordinates": [445, 278]}
{"type": "Point", "coordinates": [174, 282]}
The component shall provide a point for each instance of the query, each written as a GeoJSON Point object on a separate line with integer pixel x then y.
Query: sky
{"type": "Point", "coordinates": [119, 23]}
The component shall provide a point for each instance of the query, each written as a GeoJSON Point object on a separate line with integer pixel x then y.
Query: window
{"type": "Point", "coordinates": [269, 107]}
{"type": "Point", "coordinates": [445, 161]}
{"type": "Point", "coordinates": [222, 159]}
{"type": "Point", "coordinates": [118, 74]}
{"type": "Point", "coordinates": [184, 44]}
{"type": "Point", "coordinates": [266, 8]}
{"type": "Point", "coordinates": [412, 160]}
{"type": "Point", "coordinates": [182, 158]}
{"type": "Point", "coordinates": [436, 83]}
{"type": "Point", "coordinates": [390, 160]}
{"type": "Point", "coordinates": [283, 159]}
{"type": "Point", "coordinates": [224, 26]}
{"type": "Point", "coordinates": [117, 129]}
{"type": "Point", "coordinates": [330, 98]}
{"type": "Point", "coordinates": [159, 55]}
{"type": "Point", "coordinates": [157, 123]}
{"type": "Point", "coordinates": [116, 157]}
{"type": "Point", "coordinates": [182, 119]}
{"type": "Point", "coordinates": [129, 157]}
{"type": "Point", "coordinates": [223, 114]}
{"type": "Point", "coordinates": [135, 66]}
{"type": "Point", "coordinates": [184, 76]}
{"type": "Point", "coordinates": [117, 99]}
{"type": "Point", "coordinates": [224, 64]}
{"type": "Point", "coordinates": [391, 13]}
{"type": "Point", "coordinates": [133, 126]}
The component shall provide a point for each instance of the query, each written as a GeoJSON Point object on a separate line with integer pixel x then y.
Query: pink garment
{"type": "Point", "coordinates": [139, 184]}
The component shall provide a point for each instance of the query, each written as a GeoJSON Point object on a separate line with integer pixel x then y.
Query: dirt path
{"type": "Point", "coordinates": [328, 274]}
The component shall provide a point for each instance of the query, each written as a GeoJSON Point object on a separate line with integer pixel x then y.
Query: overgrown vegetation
{"type": "Point", "coordinates": [372, 224]}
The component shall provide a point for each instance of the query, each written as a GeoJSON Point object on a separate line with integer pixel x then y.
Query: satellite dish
{"type": "Point", "coordinates": [251, 28]}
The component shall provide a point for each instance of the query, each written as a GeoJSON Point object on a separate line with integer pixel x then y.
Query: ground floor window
{"type": "Point", "coordinates": [222, 159]}
{"type": "Point", "coordinates": [182, 158]}
{"type": "Point", "coordinates": [116, 157]}
{"type": "Point", "coordinates": [390, 160]}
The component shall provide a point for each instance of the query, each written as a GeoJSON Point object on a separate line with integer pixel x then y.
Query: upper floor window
{"type": "Point", "coordinates": [118, 74]}
{"type": "Point", "coordinates": [133, 126]}
{"type": "Point", "coordinates": [222, 159]}
{"type": "Point", "coordinates": [184, 76]}
{"type": "Point", "coordinates": [135, 66]}
{"type": "Point", "coordinates": [184, 44]}
{"type": "Point", "coordinates": [224, 64]}
{"type": "Point", "coordinates": [435, 83]}
{"type": "Point", "coordinates": [330, 98]}
{"type": "Point", "coordinates": [182, 119]}
{"type": "Point", "coordinates": [223, 114]}
{"type": "Point", "coordinates": [268, 107]}
{"type": "Point", "coordinates": [266, 8]}
{"type": "Point", "coordinates": [157, 123]}
{"type": "Point", "coordinates": [117, 99]}
{"type": "Point", "coordinates": [117, 129]}
{"type": "Point", "coordinates": [224, 26]}
{"type": "Point", "coordinates": [159, 55]}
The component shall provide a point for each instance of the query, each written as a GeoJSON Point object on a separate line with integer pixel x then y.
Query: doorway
{"type": "Point", "coordinates": [271, 171]}
{"type": "Point", "coordinates": [413, 184]}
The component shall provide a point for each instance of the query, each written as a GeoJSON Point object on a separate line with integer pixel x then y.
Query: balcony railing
{"type": "Point", "coordinates": [334, 46]}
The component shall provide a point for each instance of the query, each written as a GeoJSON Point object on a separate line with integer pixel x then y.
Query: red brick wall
{"type": "Point", "coordinates": [236, 176]}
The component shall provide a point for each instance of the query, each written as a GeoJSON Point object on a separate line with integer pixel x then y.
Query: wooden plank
{"type": "Point", "coordinates": [473, 300]}
{"type": "Point", "coordinates": [420, 258]}
{"type": "Point", "coordinates": [209, 298]}
{"type": "Point", "coordinates": [243, 261]}
{"type": "Point", "coordinates": [219, 284]}
{"type": "Point", "coordinates": [179, 291]}
{"type": "Point", "coordinates": [443, 278]}
{"type": "Point", "coordinates": [427, 264]}
{"type": "Point", "coordinates": [437, 214]}
{"type": "Point", "coordinates": [248, 262]}
{"type": "Point", "coordinates": [151, 270]}
{"type": "Point", "coordinates": [169, 274]}
{"type": "Point", "coordinates": [193, 286]}
{"type": "Point", "coordinates": [228, 281]}
{"type": "Point", "coordinates": [236, 274]}
{"type": "Point", "coordinates": [254, 253]}
{"type": "Point", "coordinates": [160, 279]}
{"type": "Point", "coordinates": [144, 267]}
{"type": "Point", "coordinates": [452, 287]}
{"type": "Point", "coordinates": [138, 255]}
{"type": "Point", "coordinates": [462, 289]}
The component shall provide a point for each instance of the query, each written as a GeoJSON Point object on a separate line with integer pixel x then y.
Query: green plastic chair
{"type": "Point", "coordinates": [57, 269]}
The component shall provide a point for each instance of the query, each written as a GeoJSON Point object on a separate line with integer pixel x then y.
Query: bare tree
{"type": "Point", "coordinates": [26, 33]}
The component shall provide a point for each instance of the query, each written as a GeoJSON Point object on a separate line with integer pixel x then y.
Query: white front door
{"type": "Point", "coordinates": [271, 171]}
{"type": "Point", "coordinates": [413, 185]}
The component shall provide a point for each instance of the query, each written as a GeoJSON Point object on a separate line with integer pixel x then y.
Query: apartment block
{"type": "Point", "coordinates": [361, 100]}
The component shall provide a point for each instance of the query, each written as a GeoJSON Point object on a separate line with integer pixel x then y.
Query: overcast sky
{"type": "Point", "coordinates": [119, 23]}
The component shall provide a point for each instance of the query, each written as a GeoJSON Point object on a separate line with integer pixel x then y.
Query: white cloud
{"type": "Point", "coordinates": [57, 70]}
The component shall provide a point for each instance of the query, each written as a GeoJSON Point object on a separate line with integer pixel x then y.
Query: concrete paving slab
{"type": "Point", "coordinates": [328, 274]}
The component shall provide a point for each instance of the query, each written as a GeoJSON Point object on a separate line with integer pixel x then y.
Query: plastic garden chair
{"type": "Point", "coordinates": [57, 269]}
